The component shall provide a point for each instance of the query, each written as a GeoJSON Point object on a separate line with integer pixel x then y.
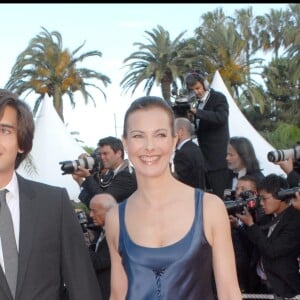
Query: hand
{"type": "Point", "coordinates": [246, 217]}
{"type": "Point", "coordinates": [193, 110]}
{"type": "Point", "coordinates": [80, 174]}
{"type": "Point", "coordinates": [234, 221]}
{"type": "Point", "coordinates": [286, 165]}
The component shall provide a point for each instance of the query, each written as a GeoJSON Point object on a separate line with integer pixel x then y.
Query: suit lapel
{"type": "Point", "coordinates": [28, 218]}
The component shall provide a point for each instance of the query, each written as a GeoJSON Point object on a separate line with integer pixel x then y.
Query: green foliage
{"type": "Point", "coordinates": [45, 67]}
{"type": "Point", "coordinates": [80, 206]}
{"type": "Point", "coordinates": [88, 149]}
{"type": "Point", "coordinates": [284, 136]}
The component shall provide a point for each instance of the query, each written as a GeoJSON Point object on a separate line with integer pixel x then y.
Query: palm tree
{"type": "Point", "coordinates": [44, 67]}
{"type": "Point", "coordinates": [162, 61]}
{"type": "Point", "coordinates": [271, 29]}
{"type": "Point", "coordinates": [222, 47]}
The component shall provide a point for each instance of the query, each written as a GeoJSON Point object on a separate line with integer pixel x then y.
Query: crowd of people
{"type": "Point", "coordinates": [177, 209]}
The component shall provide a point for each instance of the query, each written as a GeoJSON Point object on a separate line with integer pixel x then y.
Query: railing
{"type": "Point", "coordinates": [264, 296]}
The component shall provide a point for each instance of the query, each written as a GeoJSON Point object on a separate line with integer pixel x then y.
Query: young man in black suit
{"type": "Point", "coordinates": [188, 159]}
{"type": "Point", "coordinates": [279, 241]}
{"type": "Point", "coordinates": [212, 130]}
{"type": "Point", "coordinates": [50, 248]}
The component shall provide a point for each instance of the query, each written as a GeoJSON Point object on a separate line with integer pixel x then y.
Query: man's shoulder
{"type": "Point", "coordinates": [37, 185]}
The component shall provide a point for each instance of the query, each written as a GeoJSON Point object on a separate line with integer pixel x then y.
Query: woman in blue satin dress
{"type": "Point", "coordinates": [167, 240]}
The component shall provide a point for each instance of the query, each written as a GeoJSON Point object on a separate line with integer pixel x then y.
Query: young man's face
{"type": "Point", "coordinates": [109, 158]}
{"type": "Point", "coordinates": [198, 89]}
{"type": "Point", "coordinates": [9, 147]}
{"type": "Point", "coordinates": [269, 203]}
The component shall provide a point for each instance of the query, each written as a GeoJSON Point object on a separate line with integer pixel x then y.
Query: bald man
{"type": "Point", "coordinates": [188, 159]}
{"type": "Point", "coordinates": [99, 252]}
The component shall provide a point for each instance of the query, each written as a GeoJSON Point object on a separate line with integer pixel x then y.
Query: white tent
{"type": "Point", "coordinates": [52, 143]}
{"type": "Point", "coordinates": [240, 126]}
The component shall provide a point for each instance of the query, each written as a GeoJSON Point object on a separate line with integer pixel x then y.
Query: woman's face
{"type": "Point", "coordinates": [149, 142]}
{"type": "Point", "coordinates": [234, 161]}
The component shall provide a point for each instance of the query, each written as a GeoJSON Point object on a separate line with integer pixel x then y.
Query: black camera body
{"type": "Point", "coordinates": [92, 162]}
{"type": "Point", "coordinates": [184, 101]}
{"type": "Point", "coordinates": [247, 199]}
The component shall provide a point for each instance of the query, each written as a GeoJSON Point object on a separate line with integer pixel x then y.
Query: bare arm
{"type": "Point", "coordinates": [118, 275]}
{"type": "Point", "coordinates": [218, 233]}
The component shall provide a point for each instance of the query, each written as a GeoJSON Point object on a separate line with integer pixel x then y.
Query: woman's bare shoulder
{"type": "Point", "coordinates": [212, 201]}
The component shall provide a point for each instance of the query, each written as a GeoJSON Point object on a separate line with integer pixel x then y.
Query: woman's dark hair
{"type": "Point", "coordinates": [147, 102]}
{"type": "Point", "coordinates": [245, 150]}
{"type": "Point", "coordinates": [25, 122]}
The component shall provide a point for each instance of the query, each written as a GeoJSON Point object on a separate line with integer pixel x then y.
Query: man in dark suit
{"type": "Point", "coordinates": [122, 182]}
{"type": "Point", "coordinates": [212, 130]}
{"type": "Point", "coordinates": [188, 159]}
{"type": "Point", "coordinates": [99, 252]}
{"type": "Point", "coordinates": [50, 249]}
{"type": "Point", "coordinates": [279, 245]}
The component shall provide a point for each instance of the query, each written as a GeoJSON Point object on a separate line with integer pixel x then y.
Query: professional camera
{"type": "Point", "coordinates": [247, 200]}
{"type": "Point", "coordinates": [83, 221]}
{"type": "Point", "coordinates": [92, 163]}
{"type": "Point", "coordinates": [284, 154]}
{"type": "Point", "coordinates": [288, 193]}
{"type": "Point", "coordinates": [184, 101]}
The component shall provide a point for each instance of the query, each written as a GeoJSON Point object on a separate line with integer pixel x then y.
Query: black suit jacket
{"type": "Point", "coordinates": [101, 262]}
{"type": "Point", "coordinates": [280, 251]}
{"type": "Point", "coordinates": [257, 175]}
{"type": "Point", "coordinates": [189, 165]}
{"type": "Point", "coordinates": [213, 130]}
{"type": "Point", "coordinates": [122, 186]}
{"type": "Point", "coordinates": [52, 250]}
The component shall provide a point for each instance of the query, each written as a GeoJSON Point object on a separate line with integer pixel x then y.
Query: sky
{"type": "Point", "coordinates": [111, 29]}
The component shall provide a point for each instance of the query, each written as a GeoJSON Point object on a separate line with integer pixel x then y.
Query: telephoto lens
{"type": "Point", "coordinates": [70, 166]}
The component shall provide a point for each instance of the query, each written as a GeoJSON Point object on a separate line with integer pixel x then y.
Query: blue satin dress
{"type": "Point", "coordinates": [181, 271]}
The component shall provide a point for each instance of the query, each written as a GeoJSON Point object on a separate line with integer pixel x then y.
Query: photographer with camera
{"type": "Point", "coordinates": [278, 241]}
{"type": "Point", "coordinates": [289, 162]}
{"type": "Point", "coordinates": [245, 196]}
{"type": "Point", "coordinates": [122, 182]}
{"type": "Point", "coordinates": [212, 130]}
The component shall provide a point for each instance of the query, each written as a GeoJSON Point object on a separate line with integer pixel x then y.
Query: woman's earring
{"type": "Point", "coordinates": [172, 163]}
{"type": "Point", "coordinates": [130, 169]}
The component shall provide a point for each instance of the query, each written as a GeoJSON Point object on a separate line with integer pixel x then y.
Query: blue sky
{"type": "Point", "coordinates": [109, 28]}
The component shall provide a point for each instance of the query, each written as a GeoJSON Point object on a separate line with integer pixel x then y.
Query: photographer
{"type": "Point", "coordinates": [212, 130]}
{"type": "Point", "coordinates": [278, 242]}
{"type": "Point", "coordinates": [246, 188]}
{"type": "Point", "coordinates": [289, 162]}
{"type": "Point", "coordinates": [291, 166]}
{"type": "Point", "coordinates": [122, 183]}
